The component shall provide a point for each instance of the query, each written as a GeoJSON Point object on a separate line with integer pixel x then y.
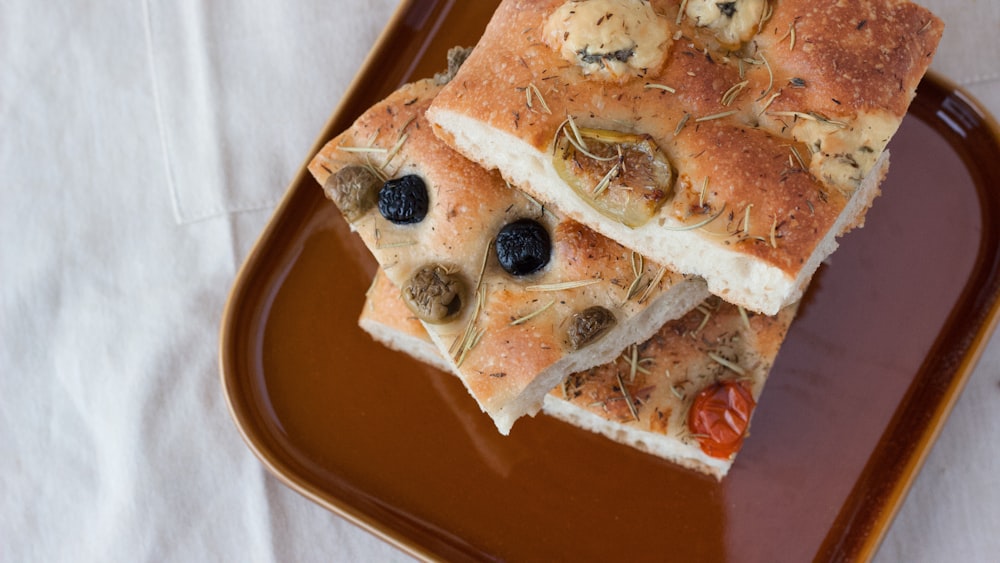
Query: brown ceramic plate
{"type": "Point", "coordinates": [888, 334]}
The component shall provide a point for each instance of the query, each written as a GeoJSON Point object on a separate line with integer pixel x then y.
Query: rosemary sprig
{"type": "Point", "coordinates": [730, 95]}
{"type": "Point", "coordinates": [680, 12]}
{"type": "Point", "coordinates": [633, 362]}
{"type": "Point", "coordinates": [562, 285]}
{"type": "Point", "coordinates": [768, 103]}
{"type": "Point", "coordinates": [743, 315]}
{"type": "Point", "coordinates": [471, 335]}
{"type": "Point", "coordinates": [661, 87]}
{"type": "Point", "coordinates": [697, 225]}
{"type": "Point", "coordinates": [715, 116]}
{"type": "Point", "coordinates": [628, 397]}
{"type": "Point", "coordinates": [400, 244]}
{"type": "Point", "coordinates": [681, 123]}
{"type": "Point", "coordinates": [653, 284]}
{"type": "Point", "coordinates": [765, 15]}
{"type": "Point", "coordinates": [704, 321]}
{"type": "Point", "coordinates": [538, 94]}
{"type": "Point", "coordinates": [798, 157]}
{"type": "Point", "coordinates": [638, 265]}
{"type": "Point", "coordinates": [347, 148]}
{"type": "Point", "coordinates": [533, 314]}
{"type": "Point", "coordinates": [605, 181]}
{"type": "Point", "coordinates": [726, 363]}
{"type": "Point", "coordinates": [770, 78]}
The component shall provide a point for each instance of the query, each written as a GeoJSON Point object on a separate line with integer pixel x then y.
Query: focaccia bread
{"type": "Point", "coordinates": [732, 140]}
{"type": "Point", "coordinates": [514, 297]}
{"type": "Point", "coordinates": [687, 394]}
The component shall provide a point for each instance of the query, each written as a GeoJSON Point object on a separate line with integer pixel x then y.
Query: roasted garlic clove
{"type": "Point", "coordinates": [733, 23]}
{"type": "Point", "coordinates": [609, 39]}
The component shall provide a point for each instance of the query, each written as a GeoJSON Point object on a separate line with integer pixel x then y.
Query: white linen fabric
{"type": "Point", "coordinates": [143, 146]}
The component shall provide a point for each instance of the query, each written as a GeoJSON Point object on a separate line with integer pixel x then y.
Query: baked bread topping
{"type": "Point", "coordinates": [515, 296]}
{"type": "Point", "coordinates": [738, 149]}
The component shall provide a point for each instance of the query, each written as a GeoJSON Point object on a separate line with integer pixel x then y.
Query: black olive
{"type": "Point", "coordinates": [403, 200]}
{"type": "Point", "coordinates": [434, 294]}
{"type": "Point", "coordinates": [523, 247]}
{"type": "Point", "coordinates": [589, 325]}
{"type": "Point", "coordinates": [353, 189]}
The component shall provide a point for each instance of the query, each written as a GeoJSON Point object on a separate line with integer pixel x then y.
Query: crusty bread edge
{"type": "Point", "coordinates": [658, 445]}
{"type": "Point", "coordinates": [739, 279]}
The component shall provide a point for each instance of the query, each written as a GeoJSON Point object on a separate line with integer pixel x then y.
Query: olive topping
{"type": "Point", "coordinates": [403, 200]}
{"type": "Point", "coordinates": [434, 294]}
{"type": "Point", "coordinates": [523, 247]}
{"type": "Point", "coordinates": [353, 189]}
{"type": "Point", "coordinates": [589, 325]}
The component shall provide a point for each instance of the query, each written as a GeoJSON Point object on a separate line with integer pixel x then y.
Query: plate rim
{"type": "Point", "coordinates": [878, 525]}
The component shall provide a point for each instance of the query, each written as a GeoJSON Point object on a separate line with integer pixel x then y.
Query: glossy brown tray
{"type": "Point", "coordinates": [887, 336]}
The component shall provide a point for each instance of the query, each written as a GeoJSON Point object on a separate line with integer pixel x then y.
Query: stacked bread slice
{"type": "Point", "coordinates": [732, 140]}
{"type": "Point", "coordinates": [686, 394]}
{"type": "Point", "coordinates": [550, 218]}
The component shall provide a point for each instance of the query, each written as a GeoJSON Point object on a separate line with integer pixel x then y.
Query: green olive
{"type": "Point", "coordinates": [589, 325]}
{"type": "Point", "coordinates": [623, 176]}
{"type": "Point", "coordinates": [354, 189]}
{"type": "Point", "coordinates": [434, 294]}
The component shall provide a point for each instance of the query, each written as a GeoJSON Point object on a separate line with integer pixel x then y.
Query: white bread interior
{"type": "Point", "coordinates": [660, 445]}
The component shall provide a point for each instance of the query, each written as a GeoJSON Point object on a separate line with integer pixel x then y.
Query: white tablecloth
{"type": "Point", "coordinates": [143, 147]}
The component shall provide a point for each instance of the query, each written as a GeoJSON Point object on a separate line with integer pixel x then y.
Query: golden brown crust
{"type": "Point", "coordinates": [509, 328]}
{"type": "Point", "coordinates": [787, 127]}
{"type": "Point", "coordinates": [856, 56]}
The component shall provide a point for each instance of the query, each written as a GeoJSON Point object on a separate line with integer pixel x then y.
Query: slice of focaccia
{"type": "Point", "coordinates": [514, 297]}
{"type": "Point", "coordinates": [732, 140]}
{"type": "Point", "coordinates": [687, 394]}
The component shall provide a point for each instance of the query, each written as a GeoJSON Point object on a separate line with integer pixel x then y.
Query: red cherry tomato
{"type": "Point", "coordinates": [719, 417]}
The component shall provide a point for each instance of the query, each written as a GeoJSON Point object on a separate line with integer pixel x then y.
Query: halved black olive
{"type": "Point", "coordinates": [403, 200]}
{"type": "Point", "coordinates": [523, 247]}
